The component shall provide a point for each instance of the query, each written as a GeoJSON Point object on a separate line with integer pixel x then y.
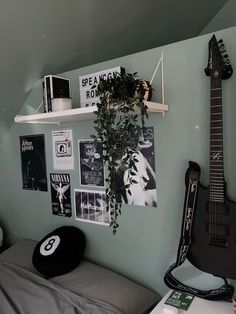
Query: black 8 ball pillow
{"type": "Point", "coordinates": [59, 252]}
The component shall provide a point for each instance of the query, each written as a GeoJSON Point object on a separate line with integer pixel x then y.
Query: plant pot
{"type": "Point", "coordinates": [60, 104]}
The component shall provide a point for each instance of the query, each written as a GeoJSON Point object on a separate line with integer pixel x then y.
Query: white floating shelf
{"type": "Point", "coordinates": [78, 114]}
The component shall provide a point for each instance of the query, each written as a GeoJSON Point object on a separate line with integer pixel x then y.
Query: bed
{"type": "Point", "coordinates": [88, 288]}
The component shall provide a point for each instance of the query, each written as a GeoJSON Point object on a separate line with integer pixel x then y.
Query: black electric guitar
{"type": "Point", "coordinates": [213, 246]}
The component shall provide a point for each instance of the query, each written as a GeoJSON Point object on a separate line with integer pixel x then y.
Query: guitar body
{"type": "Point", "coordinates": [213, 246]}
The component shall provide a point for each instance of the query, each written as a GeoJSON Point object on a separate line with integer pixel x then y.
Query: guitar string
{"type": "Point", "coordinates": [216, 191]}
{"type": "Point", "coordinates": [211, 182]}
{"type": "Point", "coordinates": [212, 206]}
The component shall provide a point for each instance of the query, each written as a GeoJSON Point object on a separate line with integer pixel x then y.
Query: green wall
{"type": "Point", "coordinates": [226, 17]}
{"type": "Point", "coordinates": [147, 239]}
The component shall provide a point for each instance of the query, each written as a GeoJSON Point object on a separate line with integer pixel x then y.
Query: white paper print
{"type": "Point", "coordinates": [62, 148]}
{"type": "Point", "coordinates": [143, 192]}
{"type": "Point", "coordinates": [91, 206]}
{"type": "Point", "coordinates": [91, 163]}
{"type": "Point", "coordinates": [33, 162]}
{"type": "Point", "coordinates": [60, 194]}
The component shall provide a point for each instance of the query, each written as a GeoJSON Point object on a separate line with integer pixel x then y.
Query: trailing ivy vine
{"type": "Point", "coordinates": [120, 120]}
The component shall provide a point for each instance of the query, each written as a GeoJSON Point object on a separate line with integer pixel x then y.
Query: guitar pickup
{"type": "Point", "coordinates": [223, 243]}
{"type": "Point", "coordinates": [218, 235]}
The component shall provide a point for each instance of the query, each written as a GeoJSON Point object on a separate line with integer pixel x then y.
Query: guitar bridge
{"type": "Point", "coordinates": [218, 234]}
{"type": "Point", "coordinates": [219, 242]}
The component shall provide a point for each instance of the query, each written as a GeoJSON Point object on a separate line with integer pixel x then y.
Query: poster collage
{"type": "Point", "coordinates": [90, 202]}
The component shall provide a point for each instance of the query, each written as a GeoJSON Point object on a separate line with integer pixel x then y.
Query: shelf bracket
{"type": "Point", "coordinates": [160, 62]}
{"type": "Point", "coordinates": [40, 105]}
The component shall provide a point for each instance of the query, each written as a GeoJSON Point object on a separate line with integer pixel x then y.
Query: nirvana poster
{"type": "Point", "coordinates": [143, 192]}
{"type": "Point", "coordinates": [33, 162]}
{"type": "Point", "coordinates": [91, 163]}
{"type": "Point", "coordinates": [91, 206]}
{"type": "Point", "coordinates": [60, 194]}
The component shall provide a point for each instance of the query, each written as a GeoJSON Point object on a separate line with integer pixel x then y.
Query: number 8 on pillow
{"type": "Point", "coordinates": [59, 252]}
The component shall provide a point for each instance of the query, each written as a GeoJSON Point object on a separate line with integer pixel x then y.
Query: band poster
{"type": "Point", "coordinates": [33, 162]}
{"type": "Point", "coordinates": [62, 148]}
{"type": "Point", "coordinates": [143, 192]}
{"type": "Point", "coordinates": [91, 206]}
{"type": "Point", "coordinates": [60, 194]}
{"type": "Point", "coordinates": [91, 163]}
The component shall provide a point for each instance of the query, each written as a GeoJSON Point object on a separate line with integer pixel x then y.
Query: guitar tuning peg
{"type": "Point", "coordinates": [220, 41]}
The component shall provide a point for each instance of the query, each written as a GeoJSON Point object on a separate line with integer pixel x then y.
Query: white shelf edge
{"type": "Point", "coordinates": [156, 107]}
{"type": "Point", "coordinates": [77, 114]}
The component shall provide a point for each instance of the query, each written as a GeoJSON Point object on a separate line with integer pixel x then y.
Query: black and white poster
{"type": "Point", "coordinates": [91, 206]}
{"type": "Point", "coordinates": [143, 192]}
{"type": "Point", "coordinates": [62, 148]}
{"type": "Point", "coordinates": [91, 163]}
{"type": "Point", "coordinates": [60, 194]}
{"type": "Point", "coordinates": [33, 162]}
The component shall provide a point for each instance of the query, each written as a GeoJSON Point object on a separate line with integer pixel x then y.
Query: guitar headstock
{"type": "Point", "coordinates": [218, 61]}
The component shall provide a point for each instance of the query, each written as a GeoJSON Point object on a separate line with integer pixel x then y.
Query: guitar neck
{"type": "Point", "coordinates": [216, 142]}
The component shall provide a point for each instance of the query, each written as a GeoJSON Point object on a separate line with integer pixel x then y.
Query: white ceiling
{"type": "Point", "coordinates": [53, 36]}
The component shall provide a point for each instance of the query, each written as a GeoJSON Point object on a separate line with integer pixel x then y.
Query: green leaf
{"type": "Point", "coordinates": [135, 168]}
{"type": "Point", "coordinates": [127, 186]}
{"type": "Point", "coordinates": [119, 134]}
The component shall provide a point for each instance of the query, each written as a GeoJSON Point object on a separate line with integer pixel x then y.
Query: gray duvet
{"type": "Point", "coordinates": [23, 292]}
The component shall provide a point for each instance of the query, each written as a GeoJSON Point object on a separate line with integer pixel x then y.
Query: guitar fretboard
{"type": "Point", "coordinates": [216, 143]}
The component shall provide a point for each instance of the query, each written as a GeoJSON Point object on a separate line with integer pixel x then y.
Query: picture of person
{"type": "Point", "coordinates": [62, 148]}
{"type": "Point", "coordinates": [143, 192]}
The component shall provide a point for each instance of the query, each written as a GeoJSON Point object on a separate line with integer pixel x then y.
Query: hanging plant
{"type": "Point", "coordinates": [120, 121]}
